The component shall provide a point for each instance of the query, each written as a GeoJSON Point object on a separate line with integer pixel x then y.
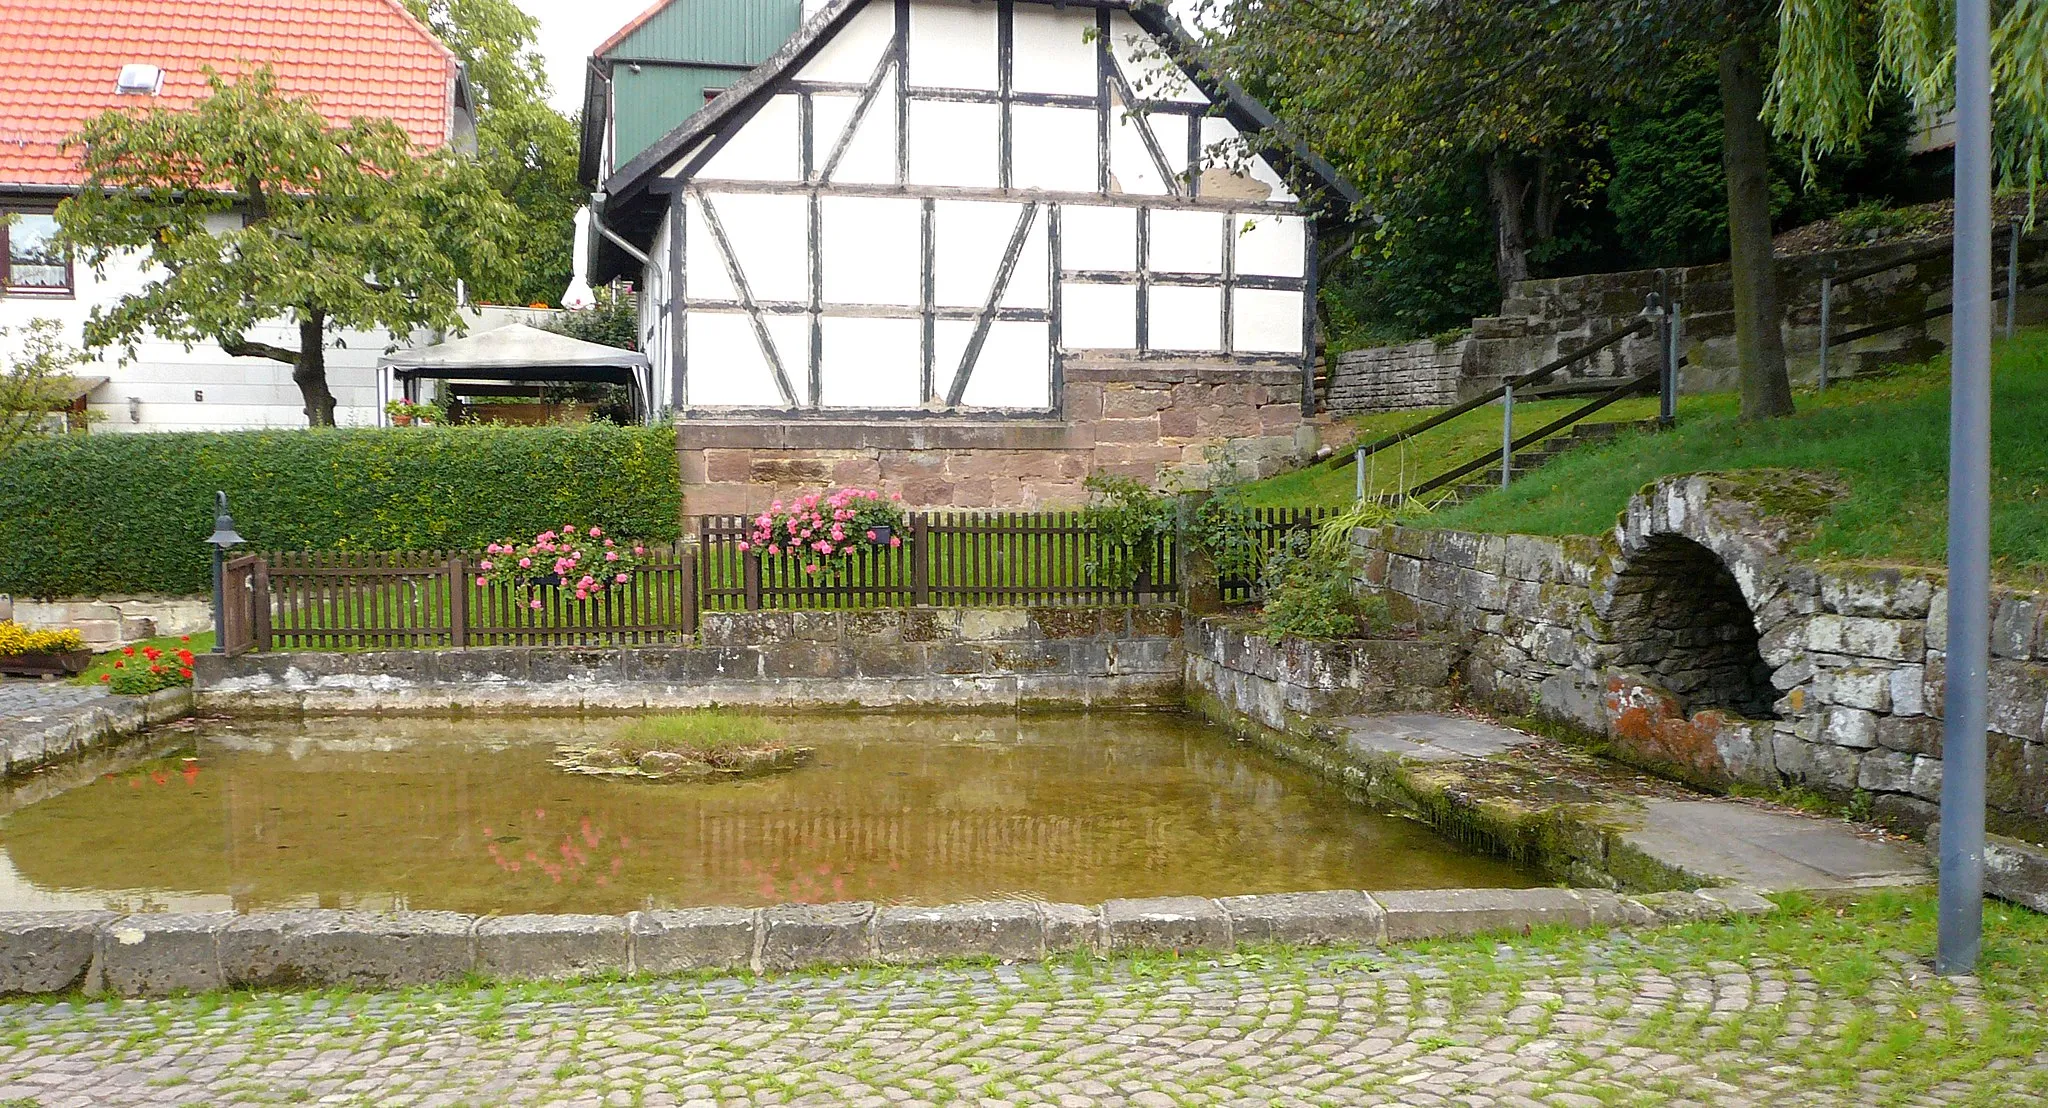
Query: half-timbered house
{"type": "Point", "coordinates": [973, 251]}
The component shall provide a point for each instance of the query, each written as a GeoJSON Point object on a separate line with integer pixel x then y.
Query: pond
{"type": "Point", "coordinates": [470, 815]}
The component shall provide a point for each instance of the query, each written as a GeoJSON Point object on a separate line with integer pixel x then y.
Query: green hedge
{"type": "Point", "coordinates": [105, 513]}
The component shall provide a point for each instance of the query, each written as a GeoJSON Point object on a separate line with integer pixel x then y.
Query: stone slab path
{"type": "Point", "coordinates": [28, 704]}
{"type": "Point", "coordinates": [1719, 841]}
{"type": "Point", "coordinates": [1672, 1017]}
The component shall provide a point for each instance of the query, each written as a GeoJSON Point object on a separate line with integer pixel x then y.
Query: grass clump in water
{"type": "Point", "coordinates": [710, 736]}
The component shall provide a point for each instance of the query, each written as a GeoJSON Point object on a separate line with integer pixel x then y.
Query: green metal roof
{"type": "Point", "coordinates": [661, 66]}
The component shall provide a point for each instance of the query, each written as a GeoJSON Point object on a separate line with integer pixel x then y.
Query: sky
{"type": "Point", "coordinates": [569, 31]}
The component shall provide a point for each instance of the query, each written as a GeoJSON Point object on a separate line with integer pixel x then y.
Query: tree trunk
{"type": "Point", "coordinates": [310, 371]}
{"type": "Point", "coordinates": [1753, 267]}
{"type": "Point", "coordinates": [1510, 193]}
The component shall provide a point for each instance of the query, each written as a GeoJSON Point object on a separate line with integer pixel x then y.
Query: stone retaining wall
{"type": "Point", "coordinates": [107, 622]}
{"type": "Point", "coordinates": [1543, 318]}
{"type": "Point", "coordinates": [154, 955]}
{"type": "Point", "coordinates": [1421, 374]}
{"type": "Point", "coordinates": [1681, 635]}
{"type": "Point", "coordinates": [925, 657]}
{"type": "Point", "coordinates": [1293, 685]}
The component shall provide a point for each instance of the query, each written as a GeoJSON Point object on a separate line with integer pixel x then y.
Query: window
{"type": "Point", "coordinates": [35, 261]}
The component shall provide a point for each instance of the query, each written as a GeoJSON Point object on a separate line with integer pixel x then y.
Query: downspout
{"type": "Point", "coordinates": [597, 221]}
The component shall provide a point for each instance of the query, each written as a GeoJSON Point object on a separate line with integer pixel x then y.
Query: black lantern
{"type": "Point", "coordinates": [223, 539]}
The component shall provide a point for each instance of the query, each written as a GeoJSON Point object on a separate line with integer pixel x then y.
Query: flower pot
{"type": "Point", "coordinates": [401, 420]}
{"type": "Point", "coordinates": [39, 665]}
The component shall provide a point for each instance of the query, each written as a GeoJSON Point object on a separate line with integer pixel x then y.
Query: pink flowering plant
{"type": "Point", "coordinates": [583, 560]}
{"type": "Point", "coordinates": [823, 532]}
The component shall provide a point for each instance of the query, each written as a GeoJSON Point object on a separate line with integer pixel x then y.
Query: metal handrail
{"type": "Point", "coordinates": [1829, 281]}
{"type": "Point", "coordinates": [1529, 378]}
{"type": "Point", "coordinates": [1626, 389]}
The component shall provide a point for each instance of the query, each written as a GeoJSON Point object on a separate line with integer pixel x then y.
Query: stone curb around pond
{"type": "Point", "coordinates": [95, 723]}
{"type": "Point", "coordinates": [45, 953]}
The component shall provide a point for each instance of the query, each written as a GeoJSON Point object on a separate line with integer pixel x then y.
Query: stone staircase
{"type": "Point", "coordinates": [1535, 457]}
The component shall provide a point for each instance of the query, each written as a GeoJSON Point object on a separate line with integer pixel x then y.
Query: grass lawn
{"type": "Point", "coordinates": [1401, 467]}
{"type": "Point", "coordinates": [1886, 437]}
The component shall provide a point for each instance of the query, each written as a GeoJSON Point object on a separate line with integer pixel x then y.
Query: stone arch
{"type": "Point", "coordinates": [1677, 616]}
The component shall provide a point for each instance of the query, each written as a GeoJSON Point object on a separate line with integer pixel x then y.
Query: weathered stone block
{"type": "Point", "coordinates": [47, 952]}
{"type": "Point", "coordinates": [684, 939]}
{"type": "Point", "coordinates": [358, 949]}
{"type": "Point", "coordinates": [551, 946]}
{"type": "Point", "coordinates": [1851, 727]}
{"type": "Point", "coordinates": [2015, 623]}
{"type": "Point", "coordinates": [1855, 687]}
{"type": "Point", "coordinates": [1307, 919]}
{"type": "Point", "coordinates": [153, 955]}
{"type": "Point", "coordinates": [1891, 639]}
{"type": "Point", "coordinates": [794, 935]}
{"type": "Point", "coordinates": [1908, 692]}
{"type": "Point", "coordinates": [1886, 771]}
{"type": "Point", "coordinates": [1011, 931]}
{"type": "Point", "coordinates": [1738, 902]}
{"type": "Point", "coordinates": [2018, 698]}
{"type": "Point", "coordinates": [1439, 913]}
{"type": "Point", "coordinates": [2013, 870]}
{"type": "Point", "coordinates": [1070, 927]}
{"type": "Point", "coordinates": [1165, 923]}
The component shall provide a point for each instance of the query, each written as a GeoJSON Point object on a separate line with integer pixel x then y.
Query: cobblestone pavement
{"type": "Point", "coordinates": [1798, 1009]}
{"type": "Point", "coordinates": [34, 698]}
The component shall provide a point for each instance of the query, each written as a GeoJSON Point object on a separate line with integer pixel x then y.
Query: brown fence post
{"type": "Point", "coordinates": [458, 602]}
{"type": "Point", "coordinates": [751, 563]}
{"type": "Point", "coordinates": [689, 586]}
{"type": "Point", "coordinates": [259, 601]}
{"type": "Point", "coordinates": [920, 561]}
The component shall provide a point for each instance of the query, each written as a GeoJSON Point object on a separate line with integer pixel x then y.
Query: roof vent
{"type": "Point", "coordinates": [139, 79]}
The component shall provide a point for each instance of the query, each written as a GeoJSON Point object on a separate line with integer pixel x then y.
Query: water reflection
{"type": "Point", "coordinates": [469, 815]}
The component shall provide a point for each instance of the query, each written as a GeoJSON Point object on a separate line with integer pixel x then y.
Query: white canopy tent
{"type": "Point", "coordinates": [515, 353]}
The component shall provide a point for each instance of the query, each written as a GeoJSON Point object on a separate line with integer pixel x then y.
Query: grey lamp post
{"type": "Point", "coordinates": [1961, 912]}
{"type": "Point", "coordinates": [224, 538]}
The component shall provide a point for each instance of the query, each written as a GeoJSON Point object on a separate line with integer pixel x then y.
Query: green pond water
{"type": "Point", "coordinates": [469, 815]}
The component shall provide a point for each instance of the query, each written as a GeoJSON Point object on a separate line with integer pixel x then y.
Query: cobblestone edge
{"type": "Point", "coordinates": [159, 954]}
{"type": "Point", "coordinates": [69, 731]}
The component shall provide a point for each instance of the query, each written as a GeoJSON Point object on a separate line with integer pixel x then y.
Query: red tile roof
{"type": "Point", "coordinates": [59, 59]}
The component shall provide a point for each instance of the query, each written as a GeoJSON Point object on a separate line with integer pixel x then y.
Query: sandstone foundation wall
{"type": "Point", "coordinates": [1616, 637]}
{"type": "Point", "coordinates": [1146, 420]}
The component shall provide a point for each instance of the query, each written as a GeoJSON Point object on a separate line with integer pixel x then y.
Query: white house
{"type": "Point", "coordinates": [64, 61]}
{"type": "Point", "coordinates": [949, 212]}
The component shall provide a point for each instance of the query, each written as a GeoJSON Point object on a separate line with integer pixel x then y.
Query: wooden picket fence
{"type": "Point", "coordinates": [330, 600]}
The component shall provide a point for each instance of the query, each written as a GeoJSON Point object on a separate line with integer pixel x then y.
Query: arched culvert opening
{"type": "Point", "coordinates": [1679, 618]}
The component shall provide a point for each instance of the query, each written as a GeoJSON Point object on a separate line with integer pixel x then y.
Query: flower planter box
{"type": "Point", "coordinates": [39, 665]}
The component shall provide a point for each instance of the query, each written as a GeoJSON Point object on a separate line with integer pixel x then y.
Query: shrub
{"type": "Point", "coordinates": [105, 513]}
{"type": "Point", "coordinates": [1127, 519]}
{"type": "Point", "coordinates": [1308, 594]}
{"type": "Point", "coordinates": [823, 531]}
{"type": "Point", "coordinates": [582, 559]}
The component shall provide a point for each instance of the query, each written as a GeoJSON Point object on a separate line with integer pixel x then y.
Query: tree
{"type": "Point", "coordinates": [30, 387]}
{"type": "Point", "coordinates": [1398, 84]}
{"type": "Point", "coordinates": [254, 209]}
{"type": "Point", "coordinates": [526, 148]}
